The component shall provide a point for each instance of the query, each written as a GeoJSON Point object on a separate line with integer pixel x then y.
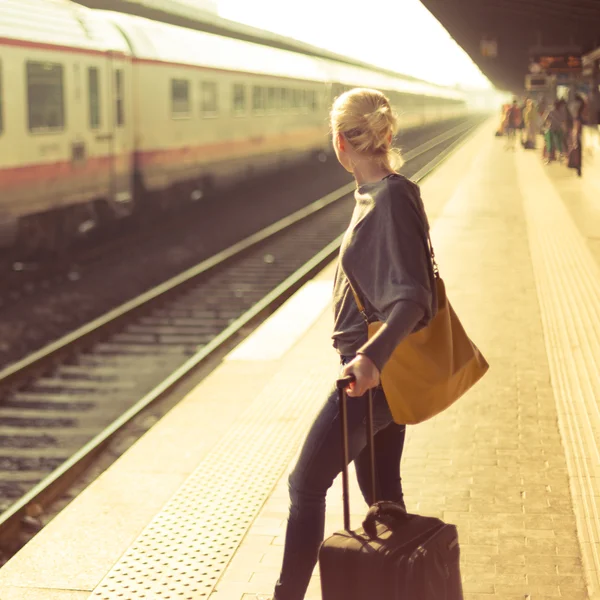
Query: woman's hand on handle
{"type": "Point", "coordinates": [365, 373]}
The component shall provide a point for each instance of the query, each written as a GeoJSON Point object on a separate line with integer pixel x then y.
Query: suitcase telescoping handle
{"type": "Point", "coordinates": [342, 384]}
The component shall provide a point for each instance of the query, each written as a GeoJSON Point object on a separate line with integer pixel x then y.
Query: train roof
{"type": "Point", "coordinates": [60, 23]}
{"type": "Point", "coordinates": [184, 14]}
{"type": "Point", "coordinates": [65, 23]}
{"type": "Point", "coordinates": [152, 40]}
{"type": "Point", "coordinates": [360, 76]}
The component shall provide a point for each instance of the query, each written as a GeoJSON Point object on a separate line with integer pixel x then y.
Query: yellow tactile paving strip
{"type": "Point", "coordinates": [568, 281]}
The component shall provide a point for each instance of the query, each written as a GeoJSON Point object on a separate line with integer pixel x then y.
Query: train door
{"type": "Point", "coordinates": [99, 121]}
{"type": "Point", "coordinates": [120, 134]}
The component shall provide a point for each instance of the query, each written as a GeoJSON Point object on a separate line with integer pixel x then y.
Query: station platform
{"type": "Point", "coordinates": [197, 508]}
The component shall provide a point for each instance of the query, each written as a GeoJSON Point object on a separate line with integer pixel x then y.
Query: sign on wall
{"type": "Point", "coordinates": [489, 47]}
{"type": "Point", "coordinates": [553, 64]}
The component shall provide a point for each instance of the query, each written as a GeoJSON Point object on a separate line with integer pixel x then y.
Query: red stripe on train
{"type": "Point", "coordinates": [4, 41]}
{"type": "Point", "coordinates": [19, 176]}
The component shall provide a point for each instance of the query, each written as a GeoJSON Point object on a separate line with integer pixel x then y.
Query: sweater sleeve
{"type": "Point", "coordinates": [403, 319]}
{"type": "Point", "coordinates": [393, 269]}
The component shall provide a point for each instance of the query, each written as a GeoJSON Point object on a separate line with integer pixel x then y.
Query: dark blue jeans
{"type": "Point", "coordinates": [319, 463]}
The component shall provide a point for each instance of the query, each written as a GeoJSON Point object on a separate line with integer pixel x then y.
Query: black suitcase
{"type": "Point", "coordinates": [394, 555]}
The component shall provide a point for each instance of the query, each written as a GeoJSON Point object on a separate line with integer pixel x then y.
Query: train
{"type": "Point", "coordinates": [104, 114]}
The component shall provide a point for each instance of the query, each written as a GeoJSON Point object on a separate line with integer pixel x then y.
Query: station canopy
{"type": "Point", "coordinates": [502, 35]}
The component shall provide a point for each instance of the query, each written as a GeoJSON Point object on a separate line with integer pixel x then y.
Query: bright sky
{"type": "Point", "coordinates": [401, 35]}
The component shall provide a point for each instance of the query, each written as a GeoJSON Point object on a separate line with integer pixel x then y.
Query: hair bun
{"type": "Point", "coordinates": [365, 118]}
{"type": "Point", "coordinates": [380, 123]}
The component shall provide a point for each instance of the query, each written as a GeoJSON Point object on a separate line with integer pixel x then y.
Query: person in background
{"type": "Point", "coordinates": [521, 128]}
{"type": "Point", "coordinates": [530, 118]}
{"type": "Point", "coordinates": [542, 107]}
{"type": "Point", "coordinates": [553, 132]}
{"type": "Point", "coordinates": [513, 121]}
{"type": "Point", "coordinates": [567, 126]}
{"type": "Point", "coordinates": [501, 131]}
{"type": "Point", "coordinates": [575, 154]}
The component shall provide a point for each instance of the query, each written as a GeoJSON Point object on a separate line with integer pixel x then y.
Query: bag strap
{"type": "Point", "coordinates": [436, 273]}
{"type": "Point", "coordinates": [436, 269]}
{"type": "Point", "coordinates": [359, 304]}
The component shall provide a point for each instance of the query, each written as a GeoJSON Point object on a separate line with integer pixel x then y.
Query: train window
{"type": "Point", "coordinates": [209, 101]}
{"type": "Point", "coordinates": [314, 101]}
{"type": "Point", "coordinates": [180, 98]}
{"type": "Point", "coordinates": [296, 99]}
{"type": "Point", "coordinates": [94, 97]}
{"type": "Point", "coordinates": [258, 98]}
{"type": "Point", "coordinates": [120, 113]}
{"type": "Point", "coordinates": [271, 98]}
{"type": "Point", "coordinates": [284, 98]}
{"type": "Point", "coordinates": [45, 96]}
{"type": "Point", "coordinates": [239, 98]}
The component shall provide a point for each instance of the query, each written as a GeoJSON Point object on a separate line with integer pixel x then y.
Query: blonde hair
{"type": "Point", "coordinates": [365, 118]}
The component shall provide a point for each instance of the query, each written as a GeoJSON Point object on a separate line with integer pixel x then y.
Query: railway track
{"type": "Point", "coordinates": [50, 300]}
{"type": "Point", "coordinates": [62, 405]}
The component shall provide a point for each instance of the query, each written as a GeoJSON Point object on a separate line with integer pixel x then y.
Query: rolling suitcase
{"type": "Point", "coordinates": [394, 555]}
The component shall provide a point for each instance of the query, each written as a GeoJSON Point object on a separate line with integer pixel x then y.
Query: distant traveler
{"type": "Point", "coordinates": [521, 126]}
{"type": "Point", "coordinates": [575, 153]}
{"type": "Point", "coordinates": [513, 122]}
{"type": "Point", "coordinates": [531, 120]}
{"type": "Point", "coordinates": [554, 129]}
{"type": "Point", "coordinates": [385, 255]}
{"type": "Point", "coordinates": [503, 120]}
{"type": "Point", "coordinates": [567, 126]}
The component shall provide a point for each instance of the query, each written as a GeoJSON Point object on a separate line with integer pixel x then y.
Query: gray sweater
{"type": "Point", "coordinates": [385, 254]}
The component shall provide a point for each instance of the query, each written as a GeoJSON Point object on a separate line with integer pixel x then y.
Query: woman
{"type": "Point", "coordinates": [575, 157]}
{"type": "Point", "coordinates": [530, 116]}
{"type": "Point", "coordinates": [503, 121]}
{"type": "Point", "coordinates": [553, 132]}
{"type": "Point", "coordinates": [385, 255]}
{"type": "Point", "coordinates": [513, 123]}
{"type": "Point", "coordinates": [567, 126]}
